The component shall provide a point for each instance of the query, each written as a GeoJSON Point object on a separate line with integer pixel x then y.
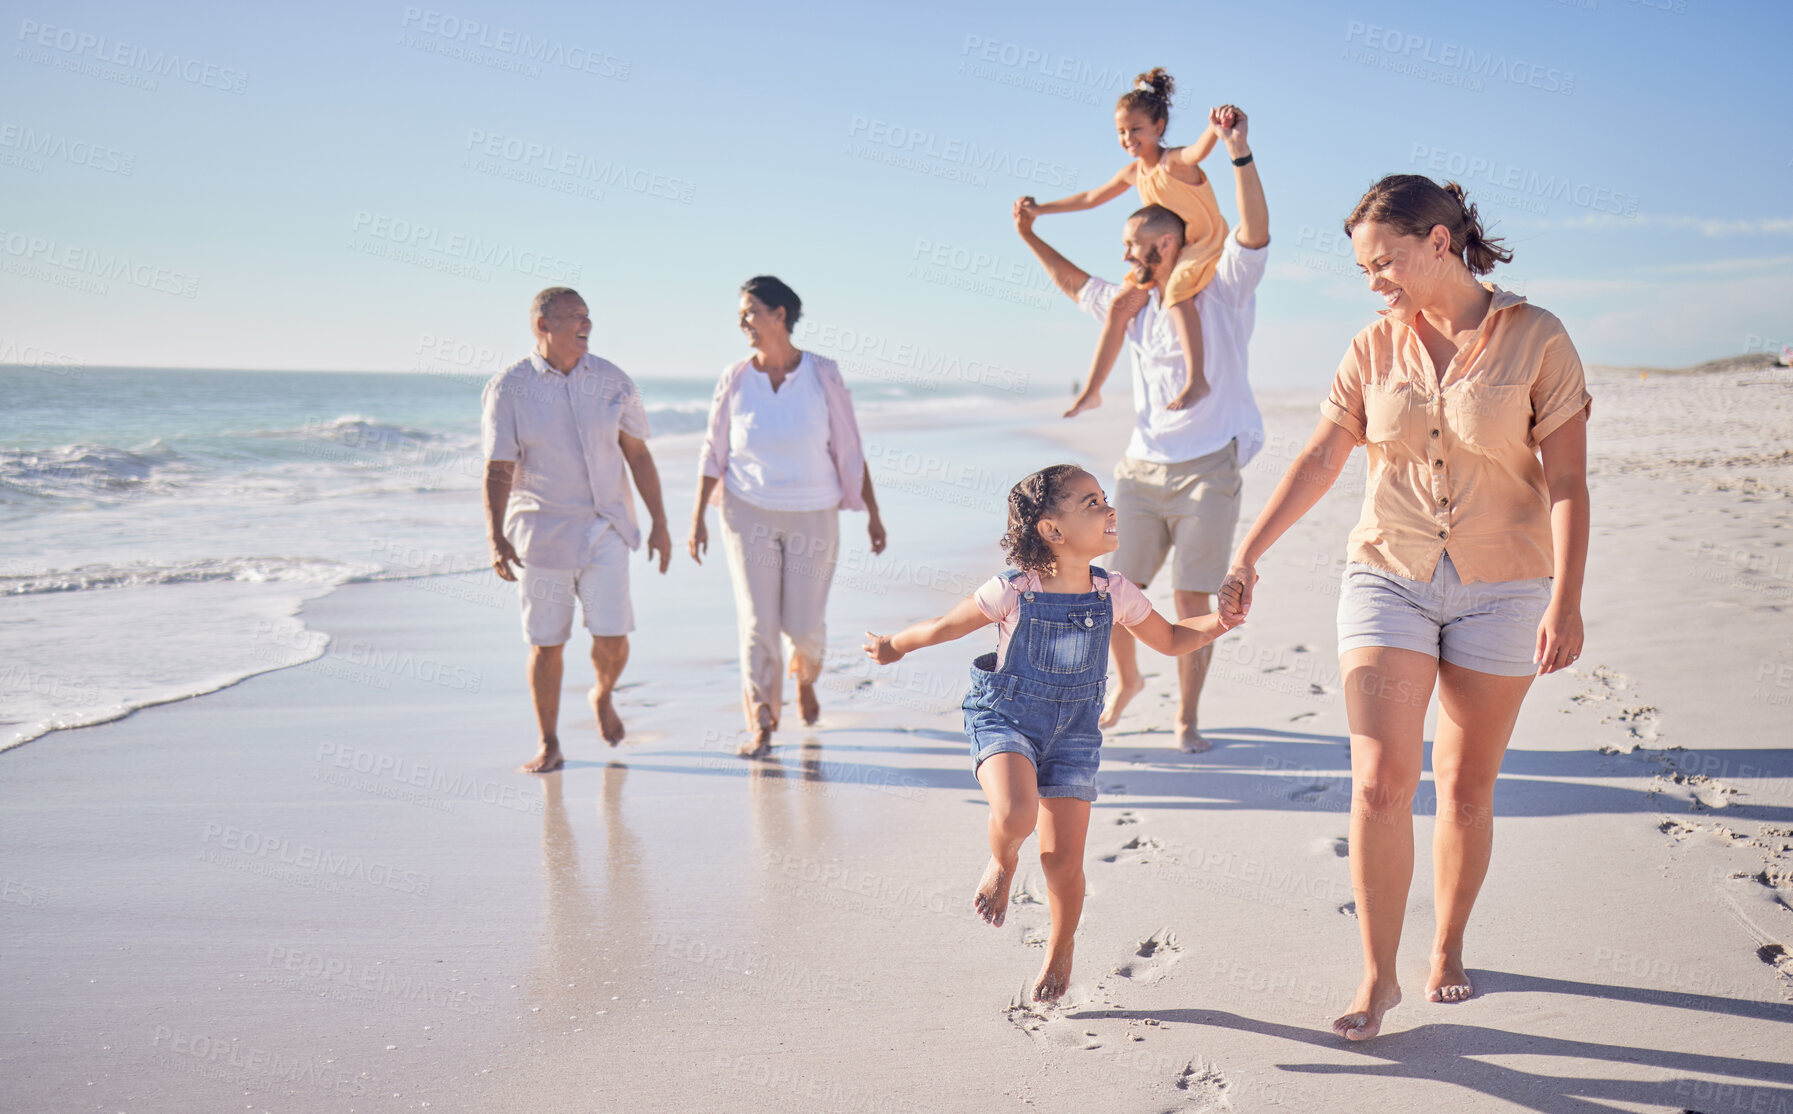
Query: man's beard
{"type": "Point", "coordinates": [1147, 270]}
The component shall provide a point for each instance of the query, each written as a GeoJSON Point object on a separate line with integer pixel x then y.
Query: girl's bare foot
{"type": "Point", "coordinates": [1364, 1019]}
{"type": "Point", "coordinates": [546, 760]}
{"type": "Point", "coordinates": [1192, 741]}
{"type": "Point", "coordinates": [1117, 702]}
{"type": "Point", "coordinates": [757, 747]}
{"type": "Point", "coordinates": [807, 702]}
{"type": "Point", "coordinates": [992, 898]}
{"type": "Point", "coordinates": [1449, 982]}
{"type": "Point", "coordinates": [1055, 976]}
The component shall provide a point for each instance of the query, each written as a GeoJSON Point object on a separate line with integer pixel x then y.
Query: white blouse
{"type": "Point", "coordinates": [778, 442]}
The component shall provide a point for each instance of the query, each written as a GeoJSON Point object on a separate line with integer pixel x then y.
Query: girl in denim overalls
{"type": "Point", "coordinates": [1032, 707]}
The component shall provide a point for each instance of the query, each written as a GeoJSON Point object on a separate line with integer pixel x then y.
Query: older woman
{"type": "Point", "coordinates": [1465, 570]}
{"type": "Point", "coordinates": [782, 458]}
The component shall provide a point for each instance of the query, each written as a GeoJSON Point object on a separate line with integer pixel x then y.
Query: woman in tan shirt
{"type": "Point", "coordinates": [1465, 570]}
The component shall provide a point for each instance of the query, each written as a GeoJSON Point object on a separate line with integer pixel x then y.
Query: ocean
{"type": "Point", "coordinates": [162, 527]}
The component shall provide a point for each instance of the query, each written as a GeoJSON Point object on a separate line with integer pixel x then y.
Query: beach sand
{"type": "Point", "coordinates": [326, 889]}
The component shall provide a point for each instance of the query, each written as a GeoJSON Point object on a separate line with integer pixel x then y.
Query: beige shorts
{"type": "Point", "coordinates": [600, 589]}
{"type": "Point", "coordinates": [1191, 506]}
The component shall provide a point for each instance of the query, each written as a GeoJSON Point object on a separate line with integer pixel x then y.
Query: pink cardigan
{"type": "Point", "coordinates": [843, 431]}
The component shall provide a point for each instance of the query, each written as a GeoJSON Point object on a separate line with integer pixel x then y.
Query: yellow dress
{"type": "Point", "coordinates": [1205, 228]}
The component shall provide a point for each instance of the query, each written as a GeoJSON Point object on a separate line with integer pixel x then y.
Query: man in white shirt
{"type": "Point", "coordinates": [558, 429]}
{"type": "Point", "coordinates": [1178, 485]}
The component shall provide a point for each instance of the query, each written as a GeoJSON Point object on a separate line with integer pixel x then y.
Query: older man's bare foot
{"type": "Point", "coordinates": [1364, 1019]}
{"type": "Point", "coordinates": [610, 725]}
{"type": "Point", "coordinates": [1055, 976]}
{"type": "Point", "coordinates": [807, 702]}
{"type": "Point", "coordinates": [992, 898]}
{"type": "Point", "coordinates": [1118, 700]}
{"type": "Point", "coordinates": [757, 747]}
{"type": "Point", "coordinates": [546, 759]}
{"type": "Point", "coordinates": [1192, 741]}
{"type": "Point", "coordinates": [1448, 981]}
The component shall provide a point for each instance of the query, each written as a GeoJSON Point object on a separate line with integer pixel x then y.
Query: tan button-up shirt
{"type": "Point", "coordinates": [1454, 457]}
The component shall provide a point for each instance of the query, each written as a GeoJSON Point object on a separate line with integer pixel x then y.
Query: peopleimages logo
{"type": "Point", "coordinates": [1407, 49]}
{"type": "Point", "coordinates": [918, 143]}
{"type": "Point", "coordinates": [462, 38]}
{"type": "Point", "coordinates": [83, 261]}
{"type": "Point", "coordinates": [81, 45]}
{"type": "Point", "coordinates": [462, 247]}
{"type": "Point", "coordinates": [1473, 169]}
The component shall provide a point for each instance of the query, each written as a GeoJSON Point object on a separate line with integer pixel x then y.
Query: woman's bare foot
{"type": "Point", "coordinates": [1055, 976]}
{"type": "Point", "coordinates": [546, 759]}
{"type": "Point", "coordinates": [1118, 700]}
{"type": "Point", "coordinates": [1364, 1019]}
{"type": "Point", "coordinates": [610, 725]}
{"type": "Point", "coordinates": [992, 898]}
{"type": "Point", "coordinates": [1192, 741]}
{"type": "Point", "coordinates": [757, 747]}
{"type": "Point", "coordinates": [807, 702]}
{"type": "Point", "coordinates": [1448, 982]}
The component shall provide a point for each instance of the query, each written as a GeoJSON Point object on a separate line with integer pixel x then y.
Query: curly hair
{"type": "Point", "coordinates": [1151, 94]}
{"type": "Point", "coordinates": [1413, 204]}
{"type": "Point", "coordinates": [1032, 499]}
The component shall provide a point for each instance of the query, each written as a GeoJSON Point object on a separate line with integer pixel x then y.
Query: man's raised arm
{"type": "Point", "coordinates": [1066, 275]}
{"type": "Point", "coordinates": [1254, 215]}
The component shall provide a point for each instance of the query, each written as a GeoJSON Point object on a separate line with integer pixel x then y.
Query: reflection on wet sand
{"type": "Point", "coordinates": [593, 953]}
{"type": "Point", "coordinates": [771, 785]}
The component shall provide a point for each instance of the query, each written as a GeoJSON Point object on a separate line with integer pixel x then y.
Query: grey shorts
{"type": "Point", "coordinates": [1190, 507]}
{"type": "Point", "coordinates": [1490, 626]}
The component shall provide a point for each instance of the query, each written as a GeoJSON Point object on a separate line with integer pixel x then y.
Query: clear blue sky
{"type": "Point", "coordinates": [1638, 158]}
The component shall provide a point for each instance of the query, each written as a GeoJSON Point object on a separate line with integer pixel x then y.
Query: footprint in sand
{"type": "Point", "coordinates": [1339, 846]}
{"type": "Point", "coordinates": [1204, 1084]}
{"type": "Point", "coordinates": [1126, 818]}
{"type": "Point", "coordinates": [1302, 716]}
{"type": "Point", "coordinates": [1349, 909]}
{"type": "Point", "coordinates": [1139, 849]}
{"type": "Point", "coordinates": [1155, 954]}
{"type": "Point", "coordinates": [1310, 793]}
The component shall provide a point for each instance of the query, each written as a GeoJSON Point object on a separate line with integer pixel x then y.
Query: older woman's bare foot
{"type": "Point", "coordinates": [546, 759]}
{"type": "Point", "coordinates": [992, 898]}
{"type": "Point", "coordinates": [757, 747]}
{"type": "Point", "coordinates": [1364, 1019]}
{"type": "Point", "coordinates": [1118, 700]}
{"type": "Point", "coordinates": [1448, 982]}
{"type": "Point", "coordinates": [1055, 976]}
{"type": "Point", "coordinates": [1192, 742]}
{"type": "Point", "coordinates": [807, 702]}
{"type": "Point", "coordinates": [610, 725]}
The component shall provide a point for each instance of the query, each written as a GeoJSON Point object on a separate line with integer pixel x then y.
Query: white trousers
{"type": "Point", "coordinates": [782, 563]}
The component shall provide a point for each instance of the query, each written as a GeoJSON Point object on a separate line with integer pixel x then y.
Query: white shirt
{"type": "Point", "coordinates": [778, 442]}
{"type": "Point", "coordinates": [1228, 307]}
{"type": "Point", "coordinates": [561, 431]}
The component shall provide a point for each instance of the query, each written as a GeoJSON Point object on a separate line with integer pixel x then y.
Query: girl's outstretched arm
{"type": "Point", "coordinates": [1195, 152]}
{"type": "Point", "coordinates": [1088, 199]}
{"type": "Point", "coordinates": [1182, 637]}
{"type": "Point", "coordinates": [964, 618]}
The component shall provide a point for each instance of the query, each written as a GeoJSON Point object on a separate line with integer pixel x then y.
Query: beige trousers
{"type": "Point", "coordinates": [782, 563]}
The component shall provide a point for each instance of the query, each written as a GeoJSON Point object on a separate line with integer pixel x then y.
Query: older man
{"type": "Point", "coordinates": [1177, 488]}
{"type": "Point", "coordinates": [558, 429]}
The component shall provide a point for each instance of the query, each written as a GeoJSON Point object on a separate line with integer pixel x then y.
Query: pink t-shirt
{"type": "Point", "coordinates": [999, 599]}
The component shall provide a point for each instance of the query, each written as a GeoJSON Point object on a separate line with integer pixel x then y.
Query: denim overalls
{"type": "Point", "coordinates": [1044, 701]}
